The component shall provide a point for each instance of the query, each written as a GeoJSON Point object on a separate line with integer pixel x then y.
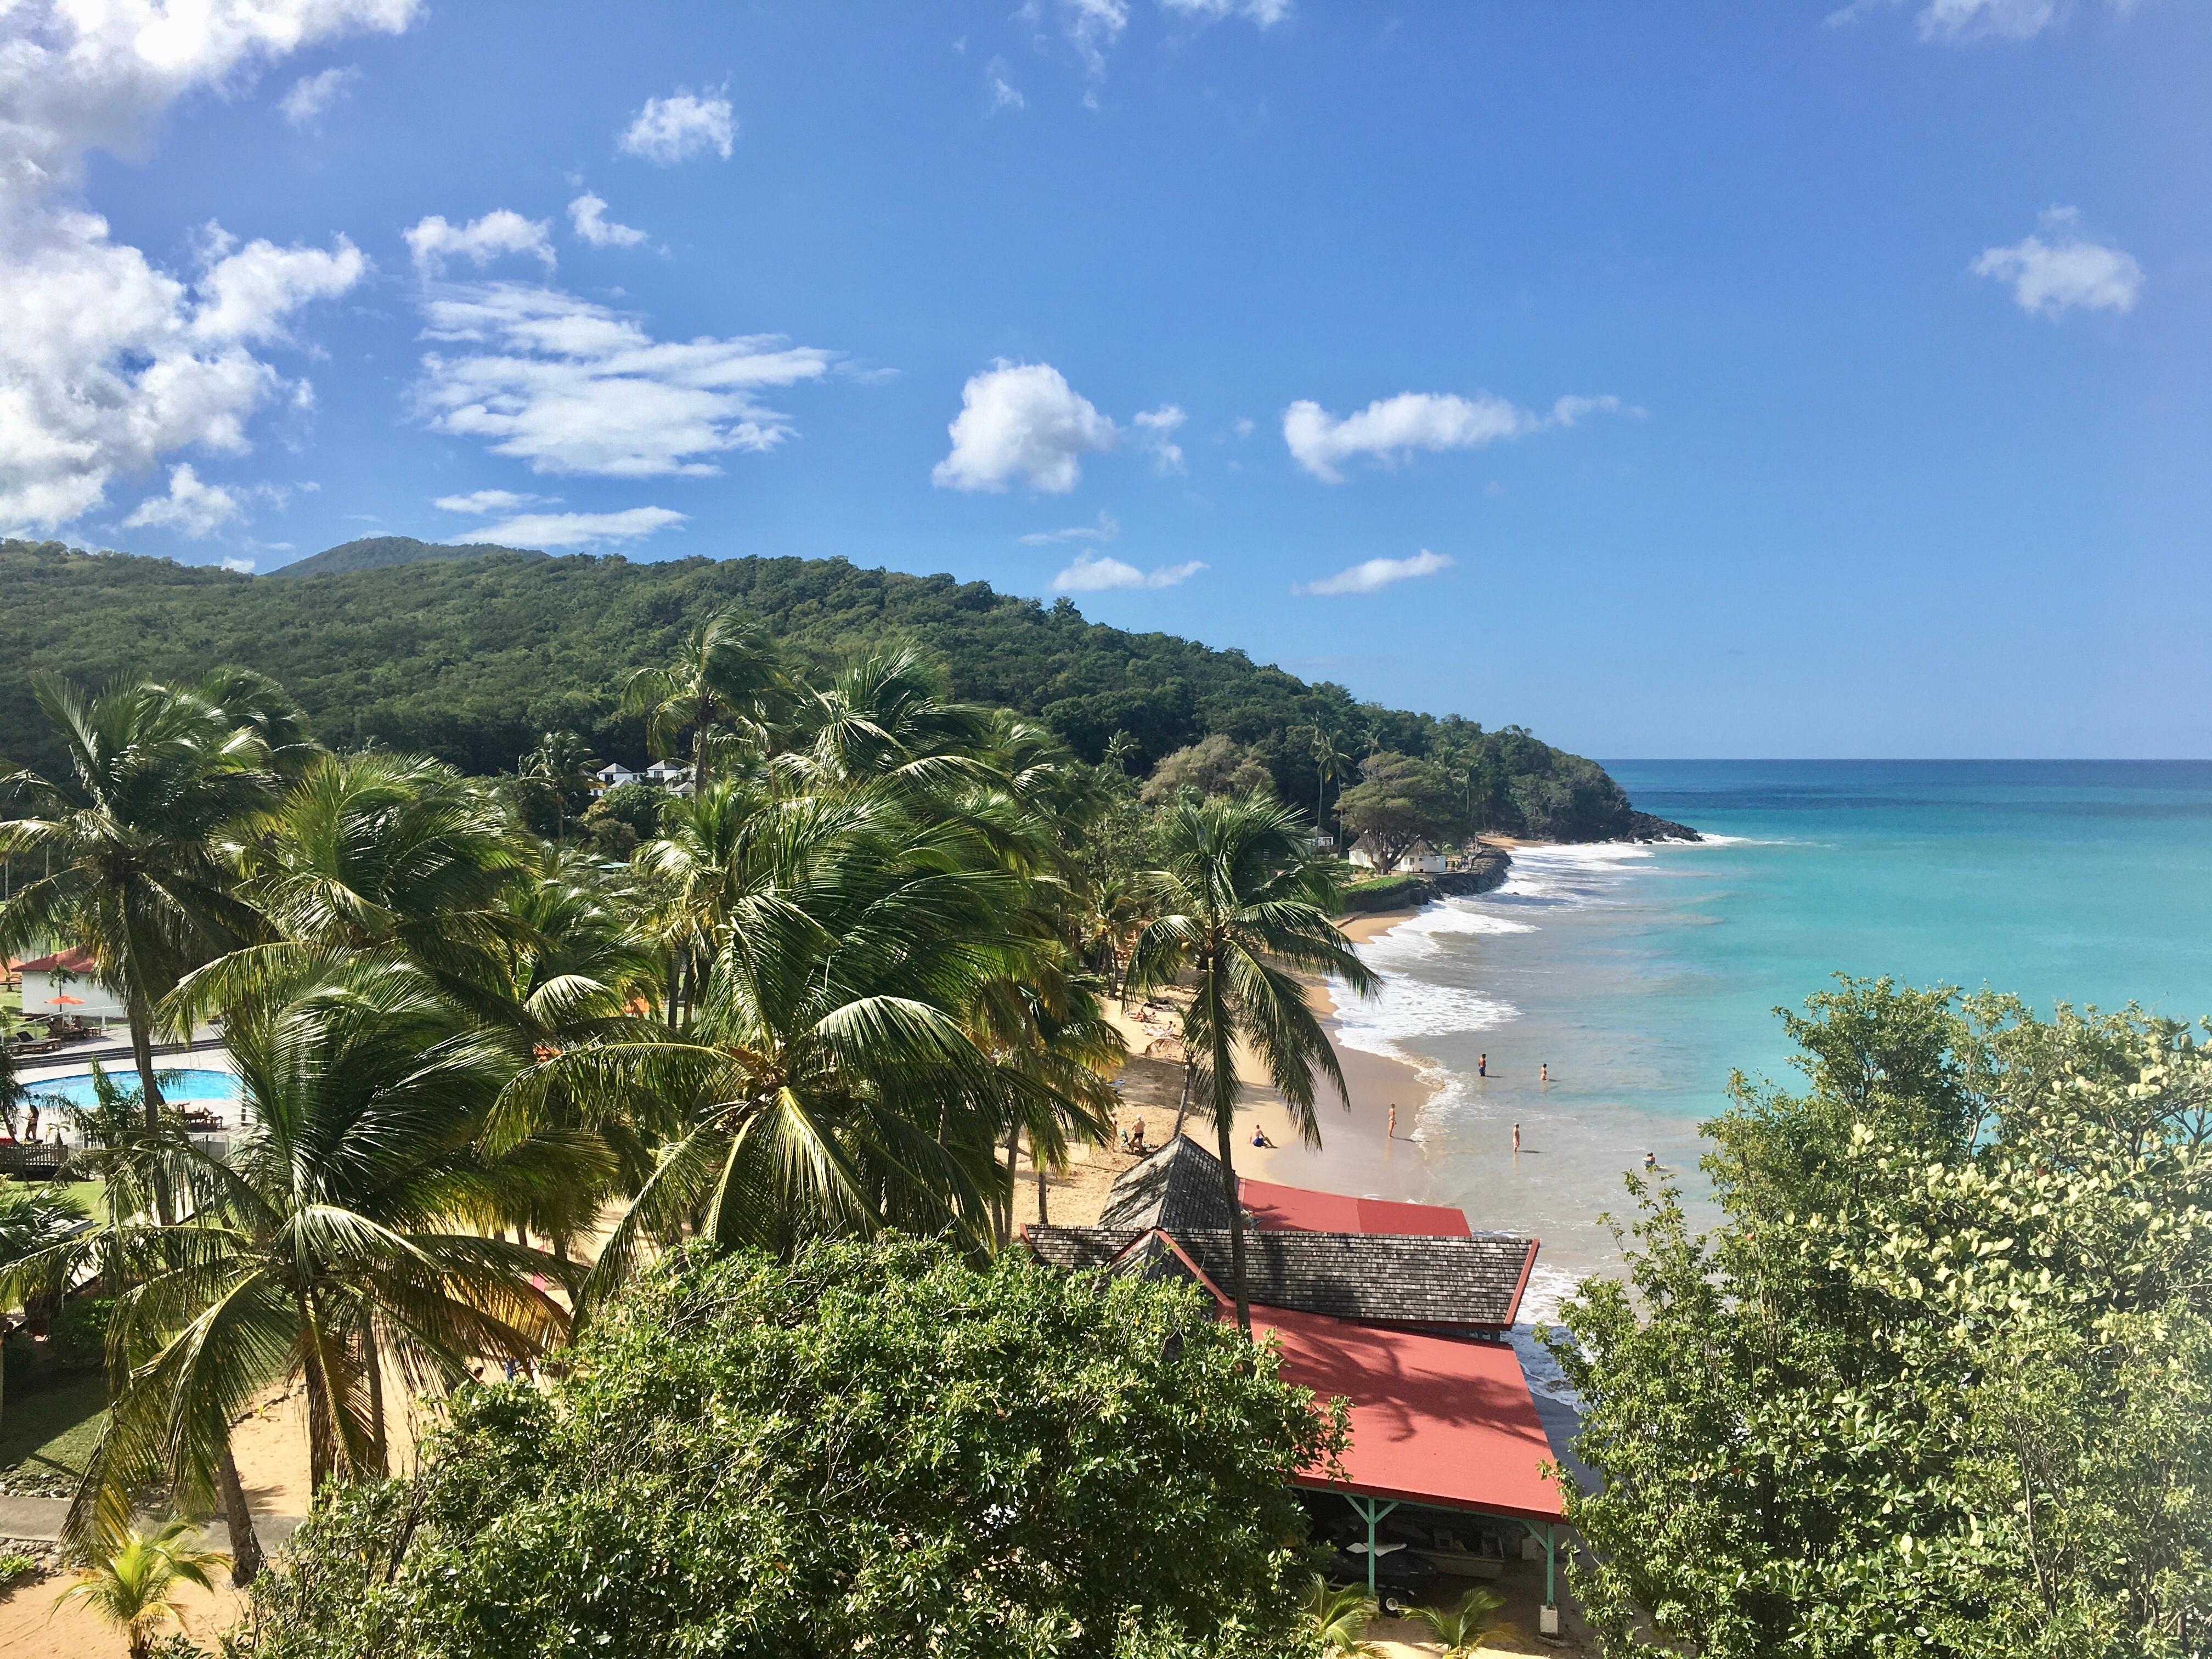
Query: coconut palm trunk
{"type": "Point", "coordinates": [1224, 1062]}
{"type": "Point", "coordinates": [246, 1557]}
{"type": "Point", "coordinates": [150, 1093]}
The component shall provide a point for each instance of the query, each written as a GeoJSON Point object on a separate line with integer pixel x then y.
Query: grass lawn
{"type": "Point", "coordinates": [56, 1425]}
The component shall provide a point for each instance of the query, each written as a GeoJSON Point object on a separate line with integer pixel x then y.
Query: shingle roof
{"type": "Point", "coordinates": [1177, 1187]}
{"type": "Point", "coordinates": [1378, 1278]}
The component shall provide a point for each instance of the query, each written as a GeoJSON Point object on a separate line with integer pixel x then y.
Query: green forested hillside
{"type": "Point", "coordinates": [471, 658]}
{"type": "Point", "coordinates": [381, 552]}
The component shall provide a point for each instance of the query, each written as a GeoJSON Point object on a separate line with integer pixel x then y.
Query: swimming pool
{"type": "Point", "coordinates": [178, 1087]}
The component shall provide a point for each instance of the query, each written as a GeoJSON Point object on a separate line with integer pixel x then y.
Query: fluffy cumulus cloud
{"type": "Point", "coordinates": [1264, 12]}
{"type": "Point", "coordinates": [1155, 430]}
{"type": "Point", "coordinates": [313, 96]}
{"type": "Point", "coordinates": [572, 387]}
{"type": "Point", "coordinates": [588, 215]}
{"type": "Point", "coordinates": [1021, 422]}
{"type": "Point", "coordinates": [434, 243]}
{"type": "Point", "coordinates": [543, 530]}
{"type": "Point", "coordinates": [1391, 428]}
{"type": "Point", "coordinates": [192, 507]}
{"type": "Point", "coordinates": [109, 363]}
{"type": "Point", "coordinates": [1370, 575]}
{"type": "Point", "coordinates": [2068, 271]}
{"type": "Point", "coordinates": [679, 127]}
{"type": "Point", "coordinates": [1958, 22]}
{"type": "Point", "coordinates": [238, 565]}
{"type": "Point", "coordinates": [1094, 573]}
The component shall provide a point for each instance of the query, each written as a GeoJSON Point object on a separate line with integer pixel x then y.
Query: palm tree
{"type": "Point", "coordinates": [887, 717]}
{"type": "Point", "coordinates": [727, 674]}
{"type": "Point", "coordinates": [563, 761]}
{"type": "Point", "coordinates": [138, 880]}
{"type": "Point", "coordinates": [344, 1236]}
{"type": "Point", "coordinates": [1463, 1627]}
{"type": "Point", "coordinates": [131, 1586]}
{"type": "Point", "coordinates": [378, 853]}
{"type": "Point", "coordinates": [1337, 1619]}
{"type": "Point", "coordinates": [829, 1080]}
{"type": "Point", "coordinates": [1330, 764]}
{"type": "Point", "coordinates": [1243, 907]}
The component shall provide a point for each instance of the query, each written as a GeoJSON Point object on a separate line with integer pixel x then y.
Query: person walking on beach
{"type": "Point", "coordinates": [1394, 1120]}
{"type": "Point", "coordinates": [1516, 1140]}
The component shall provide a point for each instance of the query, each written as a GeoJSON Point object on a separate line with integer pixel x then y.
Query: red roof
{"type": "Point", "coordinates": [1300, 1210]}
{"type": "Point", "coordinates": [71, 961]}
{"type": "Point", "coordinates": [1434, 1420]}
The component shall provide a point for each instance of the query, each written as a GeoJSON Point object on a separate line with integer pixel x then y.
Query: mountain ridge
{"type": "Point", "coordinates": [383, 552]}
{"type": "Point", "coordinates": [472, 658]}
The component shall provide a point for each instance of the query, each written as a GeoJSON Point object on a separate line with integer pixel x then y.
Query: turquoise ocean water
{"type": "Point", "coordinates": [1641, 976]}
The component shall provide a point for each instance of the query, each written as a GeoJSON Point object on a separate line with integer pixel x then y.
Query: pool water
{"type": "Point", "coordinates": [178, 1087]}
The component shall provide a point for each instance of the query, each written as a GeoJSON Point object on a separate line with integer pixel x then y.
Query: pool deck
{"type": "Point", "coordinates": [203, 1053]}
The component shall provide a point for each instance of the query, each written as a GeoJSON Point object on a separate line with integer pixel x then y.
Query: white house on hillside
{"type": "Point", "coordinates": [661, 774]}
{"type": "Point", "coordinates": [1419, 859]}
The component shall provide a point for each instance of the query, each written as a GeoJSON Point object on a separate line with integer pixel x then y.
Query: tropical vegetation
{"type": "Point", "coordinates": [133, 1585]}
{"type": "Point", "coordinates": [869, 1447]}
{"type": "Point", "coordinates": [1941, 1380]}
{"type": "Point", "coordinates": [835, 990]}
{"type": "Point", "coordinates": [473, 655]}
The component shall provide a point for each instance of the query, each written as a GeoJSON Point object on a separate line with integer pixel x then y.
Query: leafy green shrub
{"type": "Point", "coordinates": [877, 1449]}
{"type": "Point", "coordinates": [14, 1565]}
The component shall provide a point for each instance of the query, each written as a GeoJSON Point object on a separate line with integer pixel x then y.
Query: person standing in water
{"type": "Point", "coordinates": [1544, 1072]}
{"type": "Point", "coordinates": [1482, 1065]}
{"type": "Point", "coordinates": [1394, 1120]}
{"type": "Point", "coordinates": [1516, 1140]}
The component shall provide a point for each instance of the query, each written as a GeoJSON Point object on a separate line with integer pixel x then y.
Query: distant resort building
{"type": "Point", "coordinates": [63, 984]}
{"type": "Point", "coordinates": [1399, 1310]}
{"type": "Point", "coordinates": [661, 774]}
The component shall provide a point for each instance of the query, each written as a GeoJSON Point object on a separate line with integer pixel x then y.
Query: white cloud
{"type": "Point", "coordinates": [570, 386]}
{"type": "Point", "coordinates": [543, 530]}
{"type": "Point", "coordinates": [1155, 429]}
{"type": "Point", "coordinates": [502, 231]}
{"type": "Point", "coordinates": [1264, 12]}
{"type": "Point", "coordinates": [108, 363]}
{"type": "Point", "coordinates": [1372, 574]}
{"type": "Point", "coordinates": [76, 77]}
{"type": "Point", "coordinates": [312, 96]}
{"type": "Point", "coordinates": [2050, 278]}
{"type": "Point", "coordinates": [1005, 94]}
{"type": "Point", "coordinates": [1093, 573]}
{"type": "Point", "coordinates": [1244, 426]}
{"type": "Point", "coordinates": [1390, 429]}
{"type": "Point", "coordinates": [191, 509]}
{"type": "Point", "coordinates": [1093, 27]}
{"type": "Point", "coordinates": [1958, 22]}
{"type": "Point", "coordinates": [679, 127]}
{"type": "Point", "coordinates": [239, 567]}
{"type": "Point", "coordinates": [1108, 528]}
{"type": "Point", "coordinates": [488, 501]}
{"type": "Point", "coordinates": [1022, 420]}
{"type": "Point", "coordinates": [588, 213]}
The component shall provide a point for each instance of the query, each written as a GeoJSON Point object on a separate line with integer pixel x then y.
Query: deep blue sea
{"type": "Point", "coordinates": [1641, 976]}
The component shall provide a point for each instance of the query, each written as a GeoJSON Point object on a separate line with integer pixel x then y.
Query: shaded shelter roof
{"type": "Point", "coordinates": [1470, 1281]}
{"type": "Point", "coordinates": [1435, 1419]}
{"type": "Point", "coordinates": [71, 961]}
{"type": "Point", "coordinates": [1177, 1187]}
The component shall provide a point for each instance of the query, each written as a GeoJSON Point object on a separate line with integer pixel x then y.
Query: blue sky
{"type": "Point", "coordinates": [1698, 379]}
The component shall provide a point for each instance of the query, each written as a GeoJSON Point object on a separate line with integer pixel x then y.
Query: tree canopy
{"type": "Point", "coordinates": [1941, 1381]}
{"type": "Point", "coordinates": [874, 1449]}
{"type": "Point", "coordinates": [473, 660]}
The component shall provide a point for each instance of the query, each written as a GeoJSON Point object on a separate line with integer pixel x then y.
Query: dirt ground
{"type": "Point", "coordinates": [32, 1627]}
